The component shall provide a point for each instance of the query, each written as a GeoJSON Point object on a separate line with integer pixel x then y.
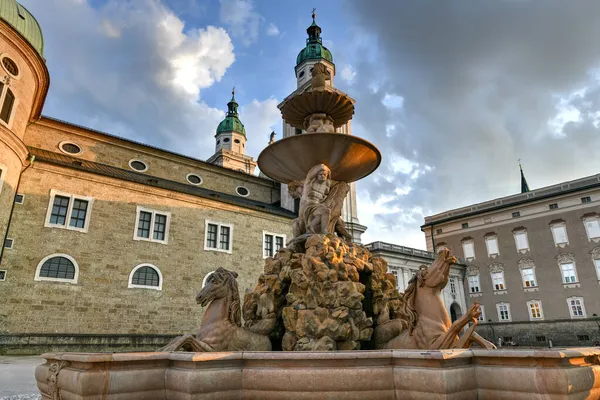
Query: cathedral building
{"type": "Point", "coordinates": [107, 241]}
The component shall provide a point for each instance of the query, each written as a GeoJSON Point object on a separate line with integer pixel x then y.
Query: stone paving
{"type": "Point", "coordinates": [17, 380]}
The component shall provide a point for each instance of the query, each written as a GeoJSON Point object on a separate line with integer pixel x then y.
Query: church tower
{"type": "Point", "coordinates": [24, 82]}
{"type": "Point", "coordinates": [231, 142]}
{"type": "Point", "coordinates": [314, 52]}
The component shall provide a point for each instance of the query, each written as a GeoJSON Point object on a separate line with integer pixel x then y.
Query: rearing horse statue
{"type": "Point", "coordinates": [424, 323]}
{"type": "Point", "coordinates": [221, 328]}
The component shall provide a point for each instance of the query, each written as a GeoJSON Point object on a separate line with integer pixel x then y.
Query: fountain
{"type": "Point", "coordinates": [325, 319]}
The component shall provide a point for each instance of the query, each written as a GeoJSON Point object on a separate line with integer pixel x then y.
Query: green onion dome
{"type": "Point", "coordinates": [23, 22]}
{"type": "Point", "coordinates": [314, 49]}
{"type": "Point", "coordinates": [232, 122]}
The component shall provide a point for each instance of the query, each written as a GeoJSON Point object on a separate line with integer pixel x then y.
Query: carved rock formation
{"type": "Point", "coordinates": [323, 299]}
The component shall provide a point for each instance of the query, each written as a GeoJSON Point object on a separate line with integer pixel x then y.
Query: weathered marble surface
{"type": "Point", "coordinates": [565, 374]}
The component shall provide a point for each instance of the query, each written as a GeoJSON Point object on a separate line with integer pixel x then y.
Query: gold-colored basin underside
{"type": "Point", "coordinates": [350, 158]}
{"type": "Point", "coordinates": [336, 104]}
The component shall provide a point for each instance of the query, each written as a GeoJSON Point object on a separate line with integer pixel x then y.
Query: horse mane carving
{"type": "Point", "coordinates": [229, 278]}
{"type": "Point", "coordinates": [406, 311]}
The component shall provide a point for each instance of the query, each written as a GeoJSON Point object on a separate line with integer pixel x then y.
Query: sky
{"type": "Point", "coordinates": [453, 93]}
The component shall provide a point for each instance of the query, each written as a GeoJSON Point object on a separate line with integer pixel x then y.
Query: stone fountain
{"type": "Point", "coordinates": [319, 304]}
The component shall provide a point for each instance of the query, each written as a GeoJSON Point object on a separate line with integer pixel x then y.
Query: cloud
{"type": "Point", "coordinates": [260, 118]}
{"type": "Point", "coordinates": [134, 69]}
{"type": "Point", "coordinates": [272, 30]}
{"type": "Point", "coordinates": [243, 21]}
{"type": "Point", "coordinates": [482, 84]}
{"type": "Point", "coordinates": [348, 73]}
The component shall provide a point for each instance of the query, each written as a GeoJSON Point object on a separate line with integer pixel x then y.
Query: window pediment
{"type": "Point", "coordinates": [496, 267]}
{"type": "Point", "coordinates": [565, 258]}
{"type": "Point", "coordinates": [472, 270]}
{"type": "Point", "coordinates": [526, 262]}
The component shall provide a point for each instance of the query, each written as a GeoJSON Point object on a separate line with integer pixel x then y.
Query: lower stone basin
{"type": "Point", "coordinates": [390, 374]}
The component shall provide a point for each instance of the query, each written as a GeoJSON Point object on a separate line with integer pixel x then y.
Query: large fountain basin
{"type": "Point", "coordinates": [390, 374]}
{"type": "Point", "coordinates": [350, 158]}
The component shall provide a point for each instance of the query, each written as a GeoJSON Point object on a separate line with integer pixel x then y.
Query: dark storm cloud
{"type": "Point", "coordinates": [481, 82]}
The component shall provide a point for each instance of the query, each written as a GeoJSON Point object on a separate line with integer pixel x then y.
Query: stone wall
{"type": "Point", "coordinates": [101, 302]}
{"type": "Point", "coordinates": [562, 333]}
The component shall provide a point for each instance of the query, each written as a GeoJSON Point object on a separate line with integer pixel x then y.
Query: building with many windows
{"type": "Point", "coordinates": [107, 241]}
{"type": "Point", "coordinates": [532, 261]}
{"type": "Point", "coordinates": [404, 262]}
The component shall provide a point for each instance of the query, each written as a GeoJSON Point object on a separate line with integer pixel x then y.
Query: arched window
{"type": "Point", "coordinates": [145, 276]}
{"type": "Point", "coordinates": [57, 267]}
{"type": "Point", "coordinates": [206, 278]}
{"type": "Point", "coordinates": [8, 101]}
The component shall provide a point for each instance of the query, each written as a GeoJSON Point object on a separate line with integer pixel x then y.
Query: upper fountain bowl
{"type": "Point", "coordinates": [330, 101]}
{"type": "Point", "coordinates": [350, 158]}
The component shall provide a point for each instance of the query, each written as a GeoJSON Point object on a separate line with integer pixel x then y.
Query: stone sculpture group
{"type": "Point", "coordinates": [322, 292]}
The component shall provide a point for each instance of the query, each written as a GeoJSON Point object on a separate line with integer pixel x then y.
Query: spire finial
{"type": "Point", "coordinates": [313, 14]}
{"type": "Point", "coordinates": [233, 91]}
{"type": "Point", "coordinates": [524, 184]}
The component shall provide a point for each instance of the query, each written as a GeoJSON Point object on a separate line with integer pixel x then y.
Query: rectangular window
{"type": "Point", "coordinates": [78, 213]}
{"type": "Point", "coordinates": [597, 263]}
{"type": "Point", "coordinates": [469, 250]}
{"type": "Point", "coordinates": [395, 273]}
{"type": "Point", "coordinates": [272, 242]}
{"type": "Point", "coordinates": [568, 272]}
{"type": "Point", "coordinates": [535, 310]}
{"type": "Point", "coordinates": [219, 237]}
{"type": "Point", "coordinates": [224, 241]}
{"type": "Point", "coordinates": [592, 227]}
{"type": "Point", "coordinates": [559, 232]}
{"type": "Point", "coordinates": [473, 283]}
{"type": "Point", "coordinates": [528, 277]}
{"type": "Point", "coordinates": [452, 286]}
{"type": "Point", "coordinates": [521, 240]}
{"type": "Point", "coordinates": [160, 226]}
{"type": "Point", "coordinates": [465, 225]}
{"type": "Point", "coordinates": [586, 199]}
{"type": "Point", "coordinates": [516, 214]}
{"type": "Point", "coordinates": [498, 280]}
{"type": "Point", "coordinates": [211, 235]}
{"type": "Point", "coordinates": [9, 243]}
{"type": "Point", "coordinates": [438, 231]}
{"type": "Point", "coordinates": [2, 275]}
{"type": "Point", "coordinates": [540, 338]}
{"type": "Point", "coordinates": [583, 338]}
{"type": "Point", "coordinates": [576, 307]}
{"type": "Point", "coordinates": [268, 246]}
{"type": "Point", "coordinates": [151, 225]}
{"type": "Point", "coordinates": [68, 211]}
{"type": "Point", "coordinates": [279, 242]}
{"type": "Point", "coordinates": [7, 107]}
{"type": "Point", "coordinates": [481, 317]}
{"type": "Point", "coordinates": [2, 176]}
{"type": "Point", "coordinates": [492, 245]}
{"type": "Point", "coordinates": [503, 312]}
{"type": "Point", "coordinates": [19, 198]}
{"type": "Point", "coordinates": [553, 206]}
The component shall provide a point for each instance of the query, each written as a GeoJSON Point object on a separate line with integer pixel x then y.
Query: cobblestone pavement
{"type": "Point", "coordinates": [17, 380]}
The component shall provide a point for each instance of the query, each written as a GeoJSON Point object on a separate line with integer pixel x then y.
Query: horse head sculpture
{"type": "Point", "coordinates": [222, 284]}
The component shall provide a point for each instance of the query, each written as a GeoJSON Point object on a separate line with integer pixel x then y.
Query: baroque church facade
{"type": "Point", "coordinates": [106, 241]}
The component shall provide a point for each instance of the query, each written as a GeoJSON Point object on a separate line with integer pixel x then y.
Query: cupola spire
{"type": "Point", "coordinates": [314, 30]}
{"type": "Point", "coordinates": [524, 185]}
{"type": "Point", "coordinates": [232, 106]}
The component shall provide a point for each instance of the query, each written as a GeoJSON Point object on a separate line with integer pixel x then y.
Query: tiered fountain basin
{"type": "Point", "coordinates": [390, 374]}
{"type": "Point", "coordinates": [350, 158]}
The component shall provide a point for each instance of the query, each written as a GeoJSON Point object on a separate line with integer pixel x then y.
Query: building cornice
{"type": "Point", "coordinates": [578, 185]}
{"type": "Point", "coordinates": [153, 181]}
{"type": "Point", "coordinates": [149, 149]}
